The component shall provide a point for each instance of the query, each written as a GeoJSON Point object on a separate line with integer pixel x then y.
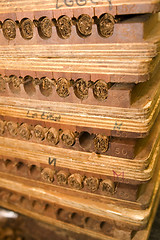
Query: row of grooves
{"type": "Point", "coordinates": [62, 177]}
{"type": "Point", "coordinates": [87, 141]}
{"type": "Point", "coordinates": [62, 86]}
{"type": "Point", "coordinates": [61, 214]}
{"type": "Point", "coordinates": [105, 24]}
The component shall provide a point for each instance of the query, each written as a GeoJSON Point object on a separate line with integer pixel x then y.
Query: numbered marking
{"type": "Point", "coordinates": [52, 161]}
{"type": "Point", "coordinates": [71, 3]}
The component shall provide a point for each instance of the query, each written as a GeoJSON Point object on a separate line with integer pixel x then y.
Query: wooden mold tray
{"type": "Point", "coordinates": [131, 59]}
{"type": "Point", "coordinates": [58, 209]}
{"type": "Point", "coordinates": [78, 88]}
{"type": "Point", "coordinates": [127, 122]}
{"type": "Point", "coordinates": [98, 66]}
{"type": "Point", "coordinates": [46, 28]}
{"type": "Point", "coordinates": [81, 139]}
{"type": "Point", "coordinates": [116, 189]}
{"type": "Point", "coordinates": [23, 226]}
{"type": "Point", "coordinates": [139, 169]}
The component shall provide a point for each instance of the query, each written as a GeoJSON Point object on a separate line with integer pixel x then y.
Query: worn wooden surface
{"type": "Point", "coordinates": [80, 161]}
{"type": "Point", "coordinates": [103, 65]}
{"type": "Point", "coordinates": [133, 122]}
{"type": "Point", "coordinates": [29, 229]}
{"type": "Point", "coordinates": [78, 138]}
{"type": "Point", "coordinates": [80, 90]}
{"type": "Point", "coordinates": [126, 220]}
{"type": "Point", "coordinates": [74, 88]}
{"type": "Point", "coordinates": [133, 59]}
{"type": "Point", "coordinates": [99, 66]}
{"type": "Point", "coordinates": [31, 165]}
{"type": "Point", "coordinates": [84, 185]}
{"type": "Point", "coordinates": [64, 136]}
{"type": "Point", "coordinates": [129, 29]}
{"type": "Point", "coordinates": [116, 6]}
{"type": "Point", "coordinates": [17, 225]}
{"type": "Point", "coordinates": [140, 169]}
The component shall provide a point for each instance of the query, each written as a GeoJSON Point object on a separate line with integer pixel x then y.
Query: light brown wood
{"type": "Point", "coordinates": [108, 191]}
{"type": "Point", "coordinates": [137, 120]}
{"type": "Point", "coordinates": [49, 89]}
{"type": "Point", "coordinates": [138, 170]}
{"type": "Point", "coordinates": [131, 59]}
{"type": "Point", "coordinates": [59, 63]}
{"type": "Point", "coordinates": [103, 190]}
{"type": "Point", "coordinates": [119, 6]}
{"type": "Point", "coordinates": [124, 218]}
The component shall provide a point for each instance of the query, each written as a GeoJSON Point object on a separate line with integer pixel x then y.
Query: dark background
{"type": "Point", "coordinates": [155, 232]}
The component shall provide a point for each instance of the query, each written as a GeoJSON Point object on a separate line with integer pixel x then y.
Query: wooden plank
{"type": "Point", "coordinates": [23, 226]}
{"type": "Point", "coordinates": [26, 227]}
{"type": "Point", "coordinates": [17, 198]}
{"type": "Point", "coordinates": [58, 179]}
{"type": "Point", "coordinates": [121, 6]}
{"type": "Point", "coordinates": [108, 59]}
{"type": "Point", "coordinates": [45, 88]}
{"type": "Point", "coordinates": [60, 87]}
{"type": "Point", "coordinates": [135, 171]}
{"type": "Point", "coordinates": [32, 228]}
{"type": "Point", "coordinates": [71, 58]}
{"type": "Point", "coordinates": [140, 116]}
{"type": "Point", "coordinates": [75, 138]}
{"type": "Point", "coordinates": [78, 138]}
{"type": "Point", "coordinates": [122, 30]}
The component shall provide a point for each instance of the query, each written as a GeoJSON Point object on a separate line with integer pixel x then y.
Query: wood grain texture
{"type": "Point", "coordinates": [132, 59]}
{"type": "Point", "coordinates": [124, 218]}
{"type": "Point", "coordinates": [65, 136]}
{"type": "Point", "coordinates": [61, 89]}
{"type": "Point", "coordinates": [136, 29]}
{"type": "Point", "coordinates": [33, 229]}
{"type": "Point", "coordinates": [140, 117]}
{"type": "Point", "coordinates": [119, 6]}
{"type": "Point", "coordinates": [138, 170]}
{"type": "Point", "coordinates": [81, 139]}
{"type": "Point", "coordinates": [122, 194]}
{"type": "Point", "coordinates": [56, 61]}
{"type": "Point", "coordinates": [119, 62]}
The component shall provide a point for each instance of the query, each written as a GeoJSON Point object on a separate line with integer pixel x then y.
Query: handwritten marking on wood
{"type": "Point", "coordinates": [52, 161]}
{"type": "Point", "coordinates": [71, 3]}
{"type": "Point", "coordinates": [110, 5]}
{"type": "Point", "coordinates": [44, 116]}
{"type": "Point", "coordinates": [118, 177]}
{"type": "Point", "coordinates": [117, 126]}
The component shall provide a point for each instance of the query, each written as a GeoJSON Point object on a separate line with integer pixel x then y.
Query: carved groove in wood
{"type": "Point", "coordinates": [62, 85]}
{"type": "Point", "coordinates": [60, 177]}
{"type": "Point", "coordinates": [64, 214]}
{"type": "Point", "coordinates": [89, 142]}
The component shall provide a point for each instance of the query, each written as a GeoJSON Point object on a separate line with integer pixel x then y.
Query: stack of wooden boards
{"type": "Point", "coordinates": [79, 115]}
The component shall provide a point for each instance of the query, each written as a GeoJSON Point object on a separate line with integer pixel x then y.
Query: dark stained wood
{"type": "Point", "coordinates": [136, 26]}
{"type": "Point", "coordinates": [131, 122]}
